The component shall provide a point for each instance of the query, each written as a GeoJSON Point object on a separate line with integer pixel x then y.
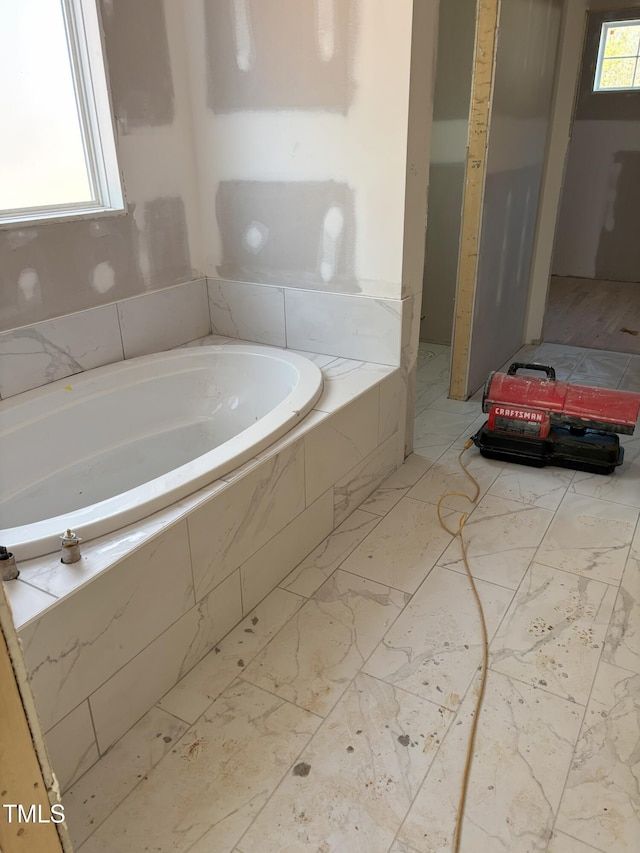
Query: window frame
{"type": "Point", "coordinates": [93, 103]}
{"type": "Point", "coordinates": [604, 28]}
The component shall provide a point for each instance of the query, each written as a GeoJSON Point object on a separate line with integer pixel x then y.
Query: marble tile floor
{"type": "Point", "coordinates": [335, 716]}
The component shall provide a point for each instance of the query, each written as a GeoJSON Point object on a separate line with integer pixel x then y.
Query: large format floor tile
{"type": "Point", "coordinates": [322, 562]}
{"type": "Point", "coordinates": [600, 804]}
{"type": "Point", "coordinates": [377, 632]}
{"type": "Point", "coordinates": [435, 431]}
{"type": "Point", "coordinates": [365, 765]}
{"type": "Point", "coordinates": [403, 548]}
{"type": "Point", "coordinates": [544, 487]}
{"type": "Point", "coordinates": [521, 758]}
{"type": "Point", "coordinates": [622, 643]}
{"type": "Point", "coordinates": [397, 485]}
{"type": "Point", "coordinates": [314, 657]}
{"type": "Point", "coordinates": [94, 796]}
{"type": "Point", "coordinates": [589, 537]}
{"type": "Point", "coordinates": [193, 694]}
{"type": "Point", "coordinates": [447, 476]}
{"type": "Point", "coordinates": [212, 784]}
{"type": "Point", "coordinates": [502, 537]}
{"type": "Point", "coordinates": [434, 648]}
{"type": "Point", "coordinates": [553, 633]}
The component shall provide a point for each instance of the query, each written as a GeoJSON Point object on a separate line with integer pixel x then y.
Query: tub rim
{"type": "Point", "coordinates": [40, 538]}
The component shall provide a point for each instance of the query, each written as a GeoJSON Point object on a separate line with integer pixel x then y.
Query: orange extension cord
{"type": "Point", "coordinates": [485, 642]}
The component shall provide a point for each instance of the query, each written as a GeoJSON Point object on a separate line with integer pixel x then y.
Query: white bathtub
{"type": "Point", "coordinates": [102, 449]}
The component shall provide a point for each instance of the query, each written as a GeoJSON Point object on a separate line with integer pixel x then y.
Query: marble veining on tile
{"type": "Point", "coordinates": [194, 693]}
{"type": "Point", "coordinates": [346, 379]}
{"type": "Point", "coordinates": [590, 537]}
{"type": "Point", "coordinates": [446, 475]}
{"type": "Point", "coordinates": [434, 647]}
{"type": "Point", "coordinates": [561, 843]}
{"type": "Point", "coordinates": [397, 485]}
{"type": "Point", "coordinates": [314, 570]}
{"type": "Point", "coordinates": [94, 796]}
{"type": "Point", "coordinates": [247, 311]}
{"type": "Point", "coordinates": [366, 763]}
{"type": "Point", "coordinates": [502, 539]}
{"type": "Point", "coordinates": [72, 745]}
{"type": "Point", "coordinates": [522, 754]}
{"type": "Point", "coordinates": [234, 524]}
{"type": "Point", "coordinates": [39, 354]}
{"type": "Point", "coordinates": [314, 657]}
{"type": "Point", "coordinates": [622, 643]}
{"type": "Point", "coordinates": [360, 481]}
{"type": "Point", "coordinates": [94, 641]}
{"type": "Point", "coordinates": [553, 633]}
{"type": "Point", "coordinates": [600, 804]}
{"type": "Point", "coordinates": [436, 430]}
{"type": "Point", "coordinates": [403, 548]}
{"type": "Point", "coordinates": [538, 487]}
{"type": "Point", "coordinates": [372, 648]}
{"type": "Point", "coordinates": [222, 772]}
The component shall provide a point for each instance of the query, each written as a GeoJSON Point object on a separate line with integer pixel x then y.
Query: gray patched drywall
{"type": "Point", "coordinates": [167, 242]}
{"type": "Point", "coordinates": [456, 34]}
{"type": "Point", "coordinates": [61, 267]}
{"type": "Point", "coordinates": [280, 54]}
{"type": "Point", "coordinates": [298, 233]}
{"type": "Point", "coordinates": [139, 64]}
{"type": "Point", "coordinates": [446, 186]}
{"type": "Point", "coordinates": [521, 108]}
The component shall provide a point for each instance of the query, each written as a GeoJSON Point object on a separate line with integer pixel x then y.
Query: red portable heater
{"type": "Point", "coordinates": [540, 421]}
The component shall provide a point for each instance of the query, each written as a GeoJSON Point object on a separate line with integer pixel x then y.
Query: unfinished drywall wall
{"type": "Point", "coordinates": [300, 115]}
{"type": "Point", "coordinates": [569, 58]}
{"type": "Point", "coordinates": [51, 269]}
{"type": "Point", "coordinates": [248, 69]}
{"type": "Point", "coordinates": [140, 73]}
{"type": "Point", "coordinates": [597, 232]}
{"type": "Point", "coordinates": [456, 34]}
{"type": "Point", "coordinates": [260, 227]}
{"type": "Point", "coordinates": [524, 76]}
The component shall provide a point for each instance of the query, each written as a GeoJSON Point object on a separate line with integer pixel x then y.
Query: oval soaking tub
{"type": "Point", "coordinates": [102, 449]}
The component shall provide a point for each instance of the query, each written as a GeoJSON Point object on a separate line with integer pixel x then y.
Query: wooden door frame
{"type": "Point", "coordinates": [26, 777]}
{"type": "Point", "coordinates": [488, 15]}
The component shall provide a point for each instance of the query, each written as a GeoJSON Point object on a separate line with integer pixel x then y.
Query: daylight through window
{"type": "Point", "coordinates": [57, 148]}
{"type": "Point", "coordinates": [618, 65]}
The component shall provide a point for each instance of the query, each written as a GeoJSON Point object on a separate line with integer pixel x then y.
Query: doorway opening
{"type": "Point", "coordinates": [594, 291]}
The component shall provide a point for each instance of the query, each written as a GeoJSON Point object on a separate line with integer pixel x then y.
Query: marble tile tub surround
{"type": "Point", "coordinates": [347, 325]}
{"type": "Point", "coordinates": [32, 356]}
{"type": "Point", "coordinates": [555, 768]}
{"type": "Point", "coordinates": [338, 325]}
{"type": "Point", "coordinates": [91, 639]}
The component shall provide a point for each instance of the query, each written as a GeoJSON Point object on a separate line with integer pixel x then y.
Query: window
{"type": "Point", "coordinates": [57, 147]}
{"type": "Point", "coordinates": [618, 65]}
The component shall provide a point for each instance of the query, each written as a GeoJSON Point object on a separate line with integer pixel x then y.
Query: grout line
{"type": "Point", "coordinates": [206, 289]}
{"type": "Point", "coordinates": [117, 307]}
{"type": "Point", "coordinates": [482, 580]}
{"type": "Point", "coordinates": [293, 763]}
{"type": "Point", "coordinates": [579, 840]}
{"type": "Point", "coordinates": [190, 552]}
{"type": "Point", "coordinates": [95, 827]}
{"type": "Point", "coordinates": [337, 567]}
{"type": "Point", "coordinates": [580, 729]}
{"type": "Point", "coordinates": [614, 584]}
{"type": "Point", "coordinates": [158, 707]}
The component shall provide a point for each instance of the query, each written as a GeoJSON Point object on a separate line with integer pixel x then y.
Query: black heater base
{"type": "Point", "coordinates": [588, 450]}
